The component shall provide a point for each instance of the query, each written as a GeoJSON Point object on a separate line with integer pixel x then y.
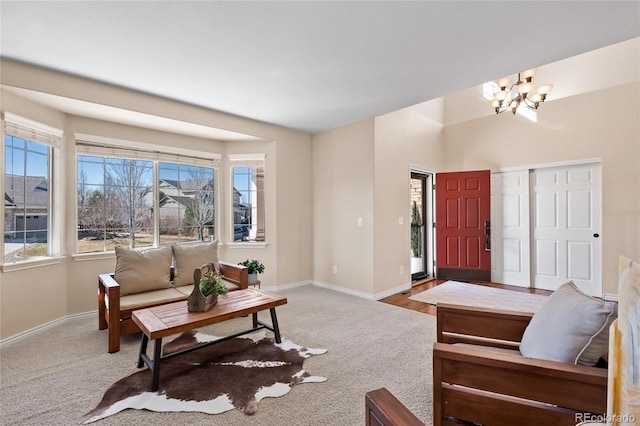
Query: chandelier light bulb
{"type": "Point", "coordinates": [535, 97]}
{"type": "Point", "coordinates": [503, 83]}
{"type": "Point", "coordinates": [544, 90]}
{"type": "Point", "coordinates": [501, 95]}
{"type": "Point", "coordinates": [528, 75]}
{"type": "Point", "coordinates": [496, 103]}
{"type": "Point", "coordinates": [525, 88]}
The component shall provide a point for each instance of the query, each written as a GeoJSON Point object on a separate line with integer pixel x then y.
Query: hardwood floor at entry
{"type": "Point", "coordinates": [402, 299]}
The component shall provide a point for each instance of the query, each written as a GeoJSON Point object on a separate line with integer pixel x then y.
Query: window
{"type": "Point", "coordinates": [186, 203]}
{"type": "Point", "coordinates": [248, 215]}
{"type": "Point", "coordinates": [115, 203]}
{"type": "Point", "coordinates": [142, 202]}
{"type": "Point", "coordinates": [28, 205]}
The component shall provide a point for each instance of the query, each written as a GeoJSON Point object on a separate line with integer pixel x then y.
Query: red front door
{"type": "Point", "coordinates": [462, 226]}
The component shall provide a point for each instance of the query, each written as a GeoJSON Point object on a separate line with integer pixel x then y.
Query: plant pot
{"type": "Point", "coordinates": [417, 265]}
{"type": "Point", "coordinates": [253, 278]}
{"type": "Point", "coordinates": [197, 302]}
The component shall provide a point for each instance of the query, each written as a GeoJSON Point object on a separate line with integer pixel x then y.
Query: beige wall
{"type": "Point", "coordinates": [411, 137]}
{"type": "Point", "coordinates": [604, 124]}
{"type": "Point", "coordinates": [361, 170]}
{"type": "Point", "coordinates": [343, 185]}
{"type": "Point", "coordinates": [70, 286]}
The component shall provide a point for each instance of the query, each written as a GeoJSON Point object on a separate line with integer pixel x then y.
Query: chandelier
{"type": "Point", "coordinates": [520, 93]}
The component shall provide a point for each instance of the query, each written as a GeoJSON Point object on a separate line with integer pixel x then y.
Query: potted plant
{"type": "Point", "coordinates": [255, 268]}
{"type": "Point", "coordinates": [205, 292]}
{"type": "Point", "coordinates": [213, 283]}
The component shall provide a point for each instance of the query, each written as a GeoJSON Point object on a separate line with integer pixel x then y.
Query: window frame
{"type": "Point", "coordinates": [253, 161]}
{"type": "Point", "coordinates": [112, 148]}
{"type": "Point", "coordinates": [51, 138]}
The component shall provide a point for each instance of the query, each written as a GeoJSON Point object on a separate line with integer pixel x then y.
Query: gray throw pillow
{"type": "Point", "coordinates": [570, 327]}
{"type": "Point", "coordinates": [140, 271]}
{"type": "Point", "coordinates": [188, 258]}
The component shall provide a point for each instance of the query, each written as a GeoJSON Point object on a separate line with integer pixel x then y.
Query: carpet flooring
{"type": "Point", "coordinates": [56, 376]}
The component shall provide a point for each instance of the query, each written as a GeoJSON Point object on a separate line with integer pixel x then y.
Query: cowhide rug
{"type": "Point", "coordinates": [236, 373]}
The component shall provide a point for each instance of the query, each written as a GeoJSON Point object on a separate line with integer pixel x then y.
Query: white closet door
{"type": "Point", "coordinates": [510, 228]}
{"type": "Point", "coordinates": [567, 206]}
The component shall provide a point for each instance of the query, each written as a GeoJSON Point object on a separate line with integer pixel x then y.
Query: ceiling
{"type": "Point", "coordinates": [308, 66]}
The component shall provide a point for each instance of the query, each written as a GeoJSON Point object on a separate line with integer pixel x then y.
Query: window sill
{"type": "Point", "coordinates": [103, 255]}
{"type": "Point", "coordinates": [246, 245]}
{"type": "Point", "coordinates": [30, 264]}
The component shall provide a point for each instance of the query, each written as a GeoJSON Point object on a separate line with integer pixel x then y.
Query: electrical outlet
{"type": "Point", "coordinates": [401, 269]}
{"type": "Point", "coordinates": [335, 269]}
{"type": "Point", "coordinates": [359, 221]}
{"type": "Point", "coordinates": [400, 220]}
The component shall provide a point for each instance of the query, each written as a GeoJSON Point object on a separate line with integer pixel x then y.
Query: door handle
{"type": "Point", "coordinates": [487, 235]}
{"type": "Point", "coordinates": [596, 235]}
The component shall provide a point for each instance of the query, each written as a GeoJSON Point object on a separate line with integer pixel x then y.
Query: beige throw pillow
{"type": "Point", "coordinates": [188, 258]}
{"type": "Point", "coordinates": [140, 271]}
{"type": "Point", "coordinates": [570, 327]}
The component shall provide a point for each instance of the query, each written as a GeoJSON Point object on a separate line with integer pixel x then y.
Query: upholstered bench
{"type": "Point", "coordinates": [155, 277]}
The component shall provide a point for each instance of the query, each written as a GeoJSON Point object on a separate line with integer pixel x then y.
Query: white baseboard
{"type": "Point", "coordinates": [610, 297]}
{"type": "Point", "coordinates": [40, 328]}
{"type": "Point", "coordinates": [276, 289]}
{"type": "Point", "coordinates": [392, 291]}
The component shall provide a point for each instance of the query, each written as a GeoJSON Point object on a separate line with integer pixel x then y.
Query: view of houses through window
{"type": "Point", "coordinates": [118, 199]}
{"type": "Point", "coordinates": [186, 203]}
{"type": "Point", "coordinates": [27, 200]}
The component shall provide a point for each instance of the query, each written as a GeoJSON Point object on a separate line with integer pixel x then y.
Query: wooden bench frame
{"type": "Point", "coordinates": [475, 385]}
{"type": "Point", "coordinates": [119, 321]}
{"type": "Point", "coordinates": [382, 408]}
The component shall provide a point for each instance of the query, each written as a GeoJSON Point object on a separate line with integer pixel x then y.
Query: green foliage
{"type": "Point", "coordinates": [416, 223]}
{"type": "Point", "coordinates": [255, 267]}
{"type": "Point", "coordinates": [212, 283]}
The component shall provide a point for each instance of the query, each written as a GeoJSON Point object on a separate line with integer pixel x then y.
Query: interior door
{"type": "Point", "coordinates": [510, 228]}
{"type": "Point", "coordinates": [463, 212]}
{"type": "Point", "coordinates": [567, 224]}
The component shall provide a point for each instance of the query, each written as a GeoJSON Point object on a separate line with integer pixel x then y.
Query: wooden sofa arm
{"type": "Point", "coordinates": [488, 387]}
{"type": "Point", "coordinates": [484, 326]}
{"type": "Point", "coordinates": [384, 409]}
{"type": "Point", "coordinates": [109, 309]}
{"type": "Point", "coordinates": [237, 274]}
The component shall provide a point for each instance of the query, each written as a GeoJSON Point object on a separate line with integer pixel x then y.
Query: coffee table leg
{"type": "Point", "coordinates": [143, 349]}
{"type": "Point", "coordinates": [254, 317]}
{"type": "Point", "coordinates": [274, 323]}
{"type": "Point", "coordinates": [155, 370]}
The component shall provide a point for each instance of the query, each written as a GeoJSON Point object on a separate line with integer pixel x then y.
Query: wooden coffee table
{"type": "Point", "coordinates": [164, 320]}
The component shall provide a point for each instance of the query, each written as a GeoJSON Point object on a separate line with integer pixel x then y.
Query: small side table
{"type": "Point", "coordinates": [257, 283]}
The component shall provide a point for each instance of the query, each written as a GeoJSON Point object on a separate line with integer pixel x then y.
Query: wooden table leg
{"type": "Point", "coordinates": [143, 350]}
{"type": "Point", "coordinates": [155, 368]}
{"type": "Point", "coordinates": [274, 323]}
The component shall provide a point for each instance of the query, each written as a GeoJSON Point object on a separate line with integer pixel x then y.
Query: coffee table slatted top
{"type": "Point", "coordinates": [165, 320]}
